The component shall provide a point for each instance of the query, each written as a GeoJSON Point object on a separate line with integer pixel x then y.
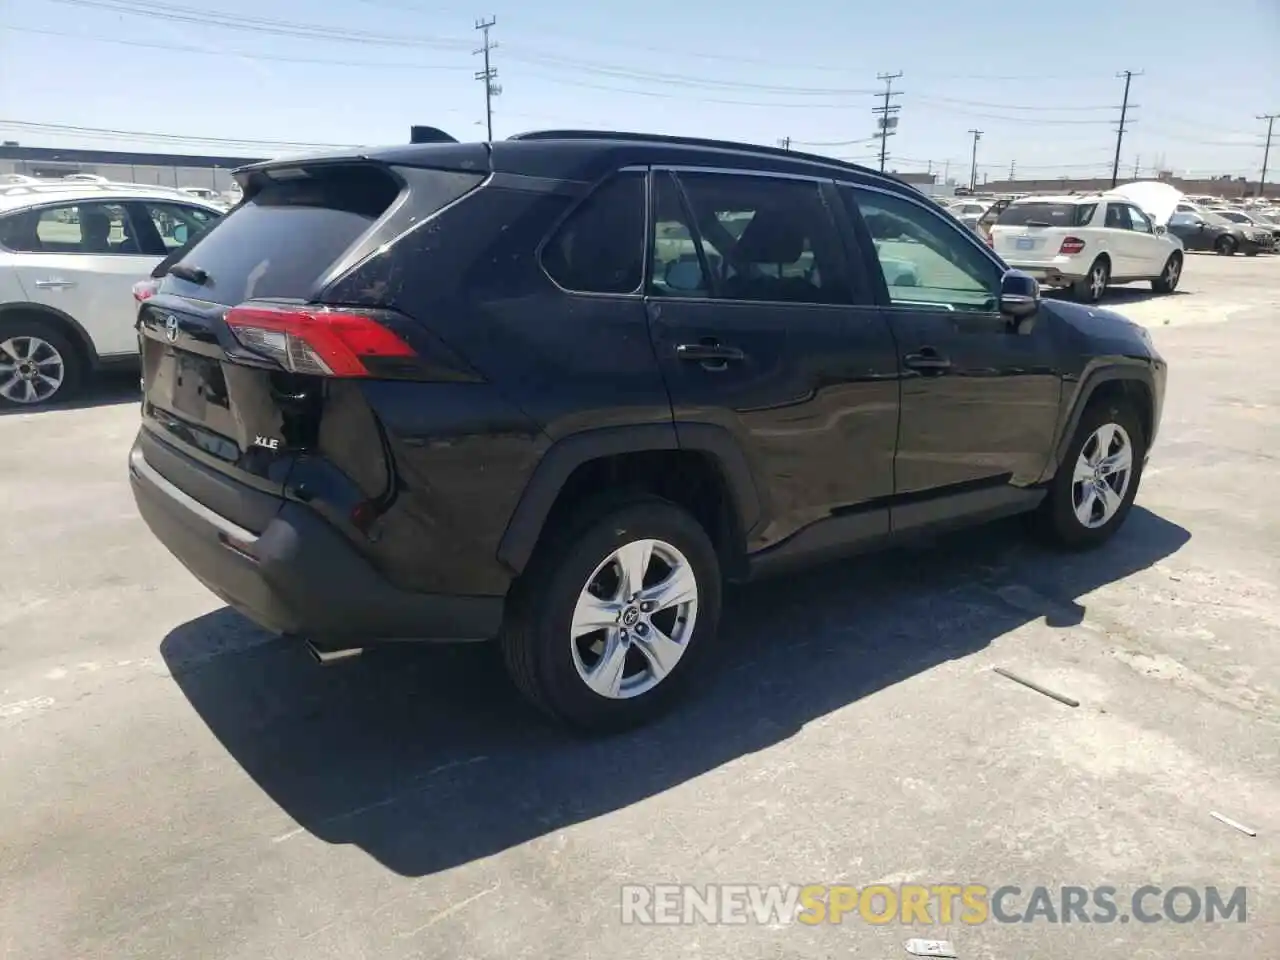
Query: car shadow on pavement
{"type": "Point", "coordinates": [1117, 297]}
{"type": "Point", "coordinates": [103, 390]}
{"type": "Point", "coordinates": [425, 758]}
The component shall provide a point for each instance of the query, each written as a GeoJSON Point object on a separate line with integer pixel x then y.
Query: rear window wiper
{"type": "Point", "coordinates": [1036, 223]}
{"type": "Point", "coordinates": [195, 275]}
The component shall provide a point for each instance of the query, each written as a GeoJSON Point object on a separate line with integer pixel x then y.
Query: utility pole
{"type": "Point", "coordinates": [1266, 153]}
{"type": "Point", "coordinates": [785, 143]}
{"type": "Point", "coordinates": [1013, 170]}
{"type": "Point", "coordinates": [973, 174]}
{"type": "Point", "coordinates": [1137, 165]}
{"type": "Point", "coordinates": [488, 75]}
{"type": "Point", "coordinates": [946, 170]}
{"type": "Point", "coordinates": [1124, 113]}
{"type": "Point", "coordinates": [888, 119]}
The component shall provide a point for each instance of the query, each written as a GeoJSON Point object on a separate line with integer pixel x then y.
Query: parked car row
{"type": "Point", "coordinates": [70, 253]}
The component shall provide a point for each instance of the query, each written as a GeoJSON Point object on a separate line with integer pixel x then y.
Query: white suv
{"type": "Point", "coordinates": [1087, 243]}
{"type": "Point", "coordinates": [70, 254]}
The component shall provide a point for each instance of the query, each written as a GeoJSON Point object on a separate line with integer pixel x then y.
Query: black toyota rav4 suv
{"type": "Point", "coordinates": [554, 390]}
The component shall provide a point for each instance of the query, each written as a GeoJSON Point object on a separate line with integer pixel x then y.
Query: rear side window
{"type": "Point", "coordinates": [284, 239]}
{"type": "Point", "coordinates": [600, 246]}
{"type": "Point", "coordinates": [1047, 214]}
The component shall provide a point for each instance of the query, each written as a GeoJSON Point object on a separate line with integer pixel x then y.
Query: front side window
{"type": "Point", "coordinates": [600, 247]}
{"type": "Point", "coordinates": [758, 238]}
{"type": "Point", "coordinates": [101, 228]}
{"type": "Point", "coordinates": [925, 260]}
{"type": "Point", "coordinates": [1140, 221]}
{"type": "Point", "coordinates": [177, 223]}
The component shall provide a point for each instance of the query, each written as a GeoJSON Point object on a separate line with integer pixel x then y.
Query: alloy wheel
{"type": "Point", "coordinates": [31, 370]}
{"type": "Point", "coordinates": [1172, 272]}
{"type": "Point", "coordinates": [1102, 475]}
{"type": "Point", "coordinates": [633, 619]}
{"type": "Point", "coordinates": [1098, 281]}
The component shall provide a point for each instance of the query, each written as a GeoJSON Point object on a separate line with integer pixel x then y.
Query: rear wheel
{"type": "Point", "coordinates": [615, 615]}
{"type": "Point", "coordinates": [38, 365]}
{"type": "Point", "coordinates": [1167, 282]}
{"type": "Point", "coordinates": [1094, 285]}
{"type": "Point", "coordinates": [1225, 246]}
{"type": "Point", "coordinates": [1095, 485]}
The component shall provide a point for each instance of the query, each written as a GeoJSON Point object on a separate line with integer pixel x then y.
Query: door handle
{"type": "Point", "coordinates": [712, 355]}
{"type": "Point", "coordinates": [927, 360]}
{"type": "Point", "coordinates": [54, 284]}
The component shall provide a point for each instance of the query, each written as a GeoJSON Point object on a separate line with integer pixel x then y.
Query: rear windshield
{"type": "Point", "coordinates": [284, 239]}
{"type": "Point", "coordinates": [1047, 214]}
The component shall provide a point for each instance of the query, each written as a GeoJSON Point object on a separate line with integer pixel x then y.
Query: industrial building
{"type": "Point", "coordinates": [165, 169]}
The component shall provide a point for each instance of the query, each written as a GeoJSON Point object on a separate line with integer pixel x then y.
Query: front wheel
{"type": "Point", "coordinates": [1167, 282]}
{"type": "Point", "coordinates": [1095, 485]}
{"type": "Point", "coordinates": [615, 615]}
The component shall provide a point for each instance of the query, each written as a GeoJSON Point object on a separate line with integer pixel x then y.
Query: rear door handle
{"type": "Point", "coordinates": [713, 356]}
{"type": "Point", "coordinates": [54, 284]}
{"type": "Point", "coordinates": [928, 361]}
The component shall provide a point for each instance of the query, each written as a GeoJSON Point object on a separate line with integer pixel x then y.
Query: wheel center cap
{"type": "Point", "coordinates": [630, 616]}
{"type": "Point", "coordinates": [27, 370]}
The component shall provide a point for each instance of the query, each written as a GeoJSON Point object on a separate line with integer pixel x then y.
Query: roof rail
{"type": "Point", "coordinates": [686, 141]}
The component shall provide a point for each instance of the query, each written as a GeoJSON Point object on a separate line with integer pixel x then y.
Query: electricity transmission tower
{"type": "Point", "coordinates": [973, 173]}
{"type": "Point", "coordinates": [489, 74]}
{"type": "Point", "coordinates": [1266, 153]}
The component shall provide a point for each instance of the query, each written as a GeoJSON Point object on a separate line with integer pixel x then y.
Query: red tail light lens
{"type": "Point", "coordinates": [1071, 245]}
{"type": "Point", "coordinates": [315, 340]}
{"type": "Point", "coordinates": [145, 289]}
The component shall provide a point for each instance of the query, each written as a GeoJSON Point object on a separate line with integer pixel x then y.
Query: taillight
{"type": "Point", "coordinates": [991, 240]}
{"type": "Point", "coordinates": [145, 289]}
{"type": "Point", "coordinates": [315, 340]}
{"type": "Point", "coordinates": [1071, 245]}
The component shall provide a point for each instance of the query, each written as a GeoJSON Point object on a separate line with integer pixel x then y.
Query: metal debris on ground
{"type": "Point", "coordinates": [1234, 823]}
{"type": "Point", "coordinates": [1061, 698]}
{"type": "Point", "coordinates": [931, 948]}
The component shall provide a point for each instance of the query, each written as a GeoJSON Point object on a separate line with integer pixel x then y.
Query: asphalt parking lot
{"type": "Point", "coordinates": [174, 783]}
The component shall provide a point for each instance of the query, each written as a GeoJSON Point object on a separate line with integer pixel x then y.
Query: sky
{"type": "Point", "coordinates": [1039, 80]}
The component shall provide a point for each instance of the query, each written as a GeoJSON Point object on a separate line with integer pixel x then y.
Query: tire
{"type": "Point", "coordinates": [1059, 520]}
{"type": "Point", "coordinates": [1093, 286]}
{"type": "Point", "coordinates": [1167, 282]}
{"type": "Point", "coordinates": [551, 668]}
{"type": "Point", "coordinates": [1225, 246]}
{"type": "Point", "coordinates": [23, 341]}
{"type": "Point", "coordinates": [1251, 253]}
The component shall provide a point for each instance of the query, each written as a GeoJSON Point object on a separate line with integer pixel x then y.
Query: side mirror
{"type": "Point", "coordinates": [1161, 230]}
{"type": "Point", "coordinates": [684, 275]}
{"type": "Point", "coordinates": [1019, 295]}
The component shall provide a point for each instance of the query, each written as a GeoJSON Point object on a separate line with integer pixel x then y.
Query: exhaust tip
{"type": "Point", "coordinates": [325, 656]}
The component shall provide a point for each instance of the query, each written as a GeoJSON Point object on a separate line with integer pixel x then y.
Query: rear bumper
{"type": "Point", "coordinates": [299, 575]}
{"type": "Point", "coordinates": [1050, 275]}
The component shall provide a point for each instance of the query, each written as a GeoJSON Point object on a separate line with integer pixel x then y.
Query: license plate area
{"type": "Point", "coordinates": [1025, 243]}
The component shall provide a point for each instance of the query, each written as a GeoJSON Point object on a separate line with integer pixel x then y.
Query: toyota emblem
{"type": "Point", "coordinates": [171, 328]}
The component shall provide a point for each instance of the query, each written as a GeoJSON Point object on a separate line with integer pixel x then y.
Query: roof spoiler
{"type": "Point", "coordinates": [429, 135]}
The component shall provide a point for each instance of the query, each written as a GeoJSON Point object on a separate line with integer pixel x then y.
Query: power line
{"type": "Point", "coordinates": [1023, 121]}
{"type": "Point", "coordinates": [973, 175]}
{"type": "Point", "coordinates": [888, 119]}
{"type": "Point", "coordinates": [489, 74]}
{"type": "Point", "coordinates": [1266, 153]}
{"type": "Point", "coordinates": [1124, 112]}
{"type": "Point", "coordinates": [113, 134]}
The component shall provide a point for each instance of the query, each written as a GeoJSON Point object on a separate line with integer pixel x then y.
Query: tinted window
{"type": "Point", "coordinates": [925, 259]}
{"type": "Point", "coordinates": [71, 228]}
{"type": "Point", "coordinates": [600, 247]}
{"type": "Point", "coordinates": [1233, 216]}
{"type": "Point", "coordinates": [1047, 214]}
{"type": "Point", "coordinates": [1117, 217]}
{"type": "Point", "coordinates": [1183, 218]}
{"type": "Point", "coordinates": [761, 239]}
{"type": "Point", "coordinates": [284, 239]}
